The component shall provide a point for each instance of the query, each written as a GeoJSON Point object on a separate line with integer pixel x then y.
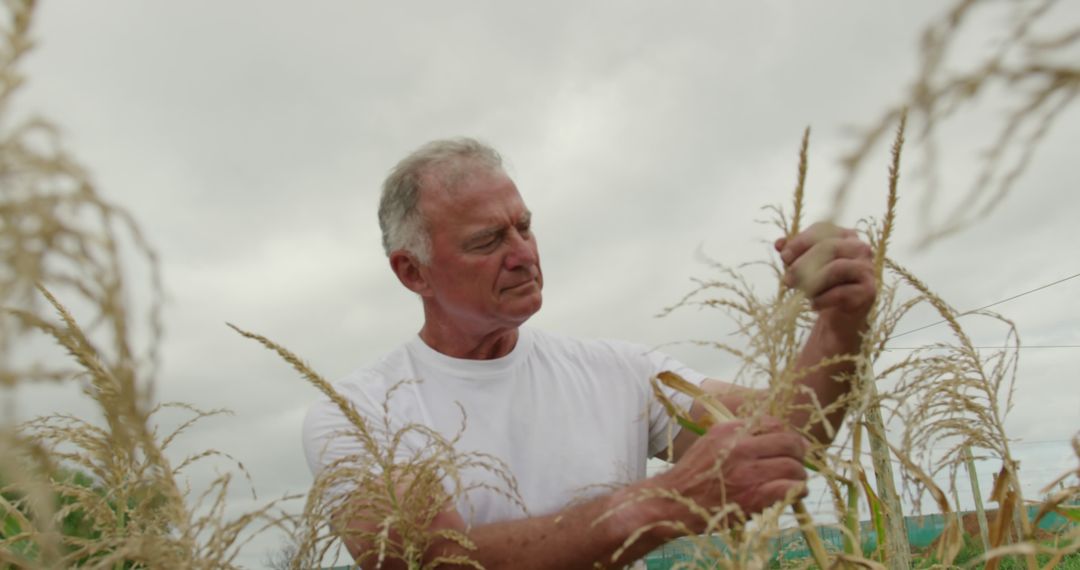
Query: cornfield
{"type": "Point", "coordinates": [74, 493]}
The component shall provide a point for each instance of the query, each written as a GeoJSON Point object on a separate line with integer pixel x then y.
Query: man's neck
{"type": "Point", "coordinates": [459, 344]}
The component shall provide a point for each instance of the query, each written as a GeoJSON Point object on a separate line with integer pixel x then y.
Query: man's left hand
{"type": "Point", "coordinates": [834, 268]}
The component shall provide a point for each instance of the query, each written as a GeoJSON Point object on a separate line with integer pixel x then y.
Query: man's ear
{"type": "Point", "coordinates": [410, 272]}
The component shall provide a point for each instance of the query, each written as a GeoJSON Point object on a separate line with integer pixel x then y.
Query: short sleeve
{"type": "Point", "coordinates": [660, 425]}
{"type": "Point", "coordinates": [330, 438]}
{"type": "Point", "coordinates": [325, 435]}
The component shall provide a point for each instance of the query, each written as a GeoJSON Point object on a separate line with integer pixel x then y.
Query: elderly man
{"type": "Point", "coordinates": [573, 420]}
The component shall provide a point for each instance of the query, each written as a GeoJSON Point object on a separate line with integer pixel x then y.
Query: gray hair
{"type": "Point", "coordinates": [448, 161]}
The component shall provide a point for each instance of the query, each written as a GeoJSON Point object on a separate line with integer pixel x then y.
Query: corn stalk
{"type": "Point", "coordinates": [893, 534]}
{"type": "Point", "coordinates": [980, 512]}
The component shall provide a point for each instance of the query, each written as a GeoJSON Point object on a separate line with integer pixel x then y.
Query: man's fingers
{"type": "Point", "coordinates": [807, 267]}
{"type": "Point", "coordinates": [762, 425]}
{"type": "Point", "coordinates": [847, 297]}
{"type": "Point", "coordinates": [767, 424]}
{"type": "Point", "coordinates": [778, 490]}
{"type": "Point", "coordinates": [776, 445]}
{"type": "Point", "coordinates": [794, 248]}
{"type": "Point", "coordinates": [771, 492]}
{"type": "Point", "coordinates": [835, 273]}
{"type": "Point", "coordinates": [773, 468]}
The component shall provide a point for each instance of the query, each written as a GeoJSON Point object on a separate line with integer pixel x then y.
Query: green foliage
{"type": "Point", "coordinates": [75, 524]}
{"type": "Point", "coordinates": [971, 551]}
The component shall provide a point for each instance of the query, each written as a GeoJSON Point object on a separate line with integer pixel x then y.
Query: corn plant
{"type": "Point", "coordinates": [127, 504]}
{"type": "Point", "coordinates": [945, 393]}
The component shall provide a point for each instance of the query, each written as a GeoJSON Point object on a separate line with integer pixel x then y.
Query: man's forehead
{"type": "Point", "coordinates": [481, 199]}
{"type": "Point", "coordinates": [452, 176]}
{"type": "Point", "coordinates": [466, 186]}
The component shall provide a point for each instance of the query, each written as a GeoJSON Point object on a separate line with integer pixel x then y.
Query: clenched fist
{"type": "Point", "coordinates": [834, 268]}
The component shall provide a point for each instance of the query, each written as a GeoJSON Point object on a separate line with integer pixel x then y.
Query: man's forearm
{"type": "Point", "coordinates": [828, 339]}
{"type": "Point", "coordinates": [580, 536]}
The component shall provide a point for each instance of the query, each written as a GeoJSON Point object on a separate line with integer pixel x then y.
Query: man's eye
{"type": "Point", "coordinates": [487, 244]}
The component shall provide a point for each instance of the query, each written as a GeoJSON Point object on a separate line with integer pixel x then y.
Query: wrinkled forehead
{"type": "Point", "coordinates": [451, 175]}
{"type": "Point", "coordinates": [483, 196]}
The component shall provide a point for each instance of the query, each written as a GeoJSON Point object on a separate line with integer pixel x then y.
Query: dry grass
{"type": "Point", "coordinates": [76, 493]}
{"type": "Point", "coordinates": [1033, 66]}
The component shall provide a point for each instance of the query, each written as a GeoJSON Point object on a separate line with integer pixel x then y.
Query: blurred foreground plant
{"type": "Point", "coordinates": [73, 492]}
{"type": "Point", "coordinates": [1032, 65]}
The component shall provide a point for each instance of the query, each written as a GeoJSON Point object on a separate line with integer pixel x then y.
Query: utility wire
{"type": "Point", "coordinates": [990, 305]}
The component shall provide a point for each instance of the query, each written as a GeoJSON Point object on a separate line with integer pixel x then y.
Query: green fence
{"type": "Point", "coordinates": [922, 532]}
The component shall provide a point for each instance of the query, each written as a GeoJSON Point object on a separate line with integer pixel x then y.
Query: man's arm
{"type": "Point", "coordinates": [834, 268]}
{"type": "Point", "coordinates": [757, 469]}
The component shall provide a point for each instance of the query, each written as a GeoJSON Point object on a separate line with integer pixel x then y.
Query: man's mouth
{"type": "Point", "coordinates": [520, 285]}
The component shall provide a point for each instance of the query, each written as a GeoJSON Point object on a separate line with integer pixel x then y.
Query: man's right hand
{"type": "Point", "coordinates": [752, 465]}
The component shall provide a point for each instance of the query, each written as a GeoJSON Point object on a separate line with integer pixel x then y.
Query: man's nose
{"type": "Point", "coordinates": [522, 252]}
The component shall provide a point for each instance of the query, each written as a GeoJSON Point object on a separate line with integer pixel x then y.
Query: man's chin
{"type": "Point", "coordinates": [526, 310]}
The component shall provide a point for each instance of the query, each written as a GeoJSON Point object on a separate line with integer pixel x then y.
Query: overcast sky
{"type": "Point", "coordinates": [249, 139]}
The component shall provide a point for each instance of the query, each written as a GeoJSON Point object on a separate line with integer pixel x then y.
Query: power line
{"type": "Point", "coordinates": [1040, 288]}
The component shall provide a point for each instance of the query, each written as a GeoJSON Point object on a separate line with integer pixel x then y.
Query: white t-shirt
{"type": "Point", "coordinates": [569, 417]}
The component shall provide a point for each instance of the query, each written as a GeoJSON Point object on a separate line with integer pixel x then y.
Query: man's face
{"type": "Point", "coordinates": [484, 273]}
